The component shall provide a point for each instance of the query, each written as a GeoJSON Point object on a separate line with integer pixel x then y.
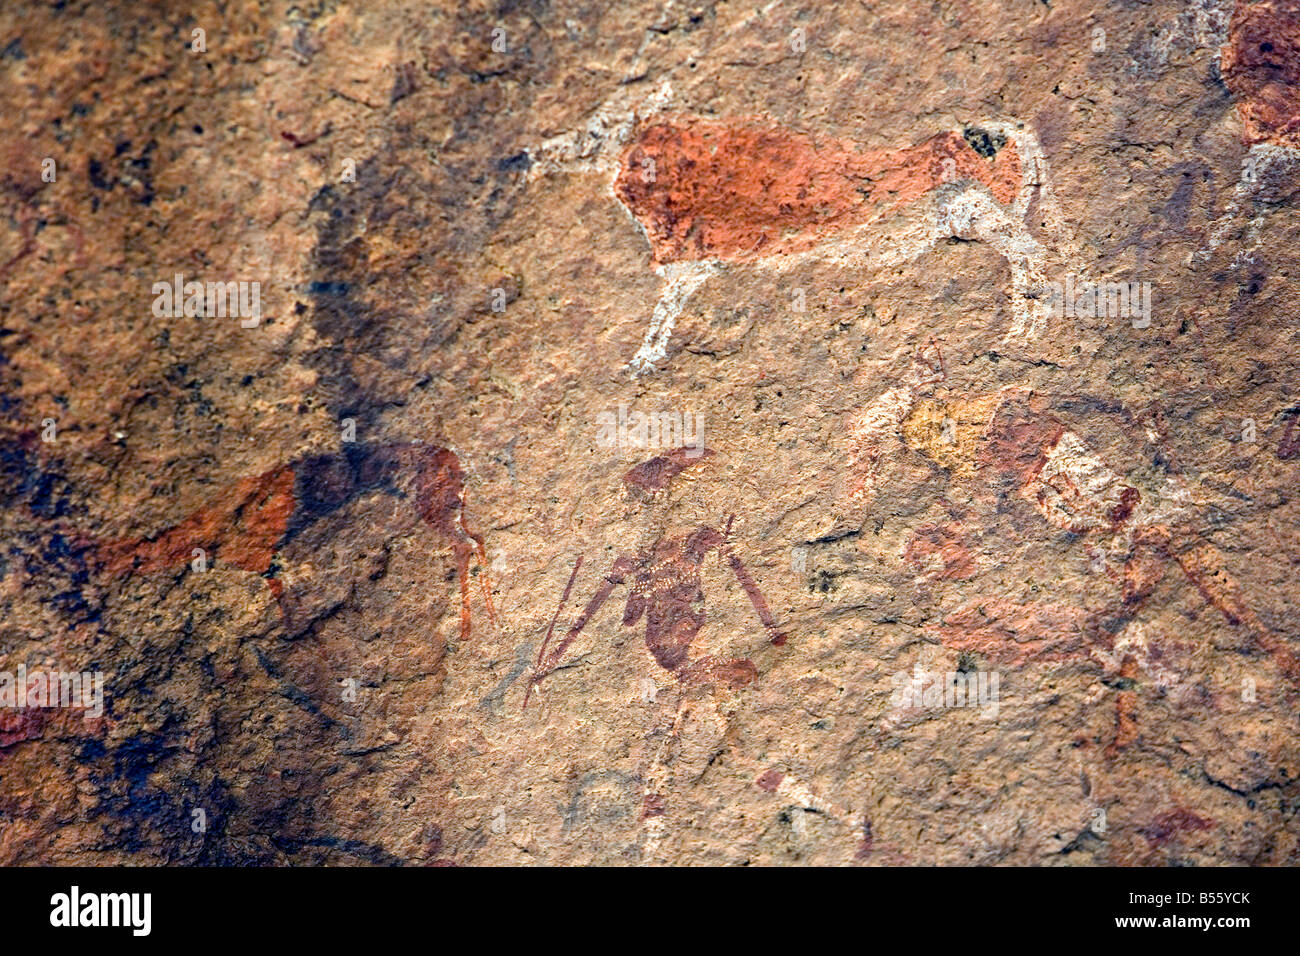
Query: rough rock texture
{"type": "Point", "coordinates": [640, 396]}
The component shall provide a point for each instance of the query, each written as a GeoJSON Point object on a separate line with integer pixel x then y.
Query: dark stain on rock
{"type": "Point", "coordinates": [518, 163]}
{"type": "Point", "coordinates": [983, 142]}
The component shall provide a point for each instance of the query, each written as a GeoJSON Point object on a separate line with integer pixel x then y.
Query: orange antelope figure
{"type": "Point", "coordinates": [707, 193]}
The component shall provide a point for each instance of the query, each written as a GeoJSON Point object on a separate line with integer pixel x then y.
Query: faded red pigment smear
{"type": "Point", "coordinates": [1180, 820]}
{"type": "Point", "coordinates": [941, 551]}
{"type": "Point", "coordinates": [20, 726]}
{"type": "Point", "coordinates": [653, 806]}
{"type": "Point", "coordinates": [657, 473]}
{"type": "Point", "coordinates": [1261, 66]}
{"type": "Point", "coordinates": [738, 191]}
{"type": "Point", "coordinates": [247, 524]}
{"type": "Point", "coordinates": [1289, 446]}
{"type": "Point", "coordinates": [24, 725]}
{"type": "Point", "coordinates": [246, 521]}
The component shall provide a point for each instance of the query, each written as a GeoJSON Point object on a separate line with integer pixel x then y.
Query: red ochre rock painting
{"type": "Point", "coordinates": [1261, 66]}
{"type": "Point", "coordinates": [1167, 825]}
{"type": "Point", "coordinates": [657, 473]}
{"type": "Point", "coordinates": [247, 524]}
{"type": "Point", "coordinates": [666, 591]}
{"type": "Point", "coordinates": [1032, 454]}
{"type": "Point", "coordinates": [940, 550]}
{"type": "Point", "coordinates": [738, 191]}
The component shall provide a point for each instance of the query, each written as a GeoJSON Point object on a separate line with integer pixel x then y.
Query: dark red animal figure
{"type": "Point", "coordinates": [250, 522]}
{"type": "Point", "coordinates": [1289, 446]}
{"type": "Point", "coordinates": [666, 591]}
{"type": "Point", "coordinates": [657, 473]}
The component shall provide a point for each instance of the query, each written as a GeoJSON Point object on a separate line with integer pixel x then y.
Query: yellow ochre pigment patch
{"type": "Point", "coordinates": [950, 431]}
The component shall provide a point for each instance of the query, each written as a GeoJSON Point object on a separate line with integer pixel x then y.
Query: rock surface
{"type": "Point", "coordinates": [763, 433]}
